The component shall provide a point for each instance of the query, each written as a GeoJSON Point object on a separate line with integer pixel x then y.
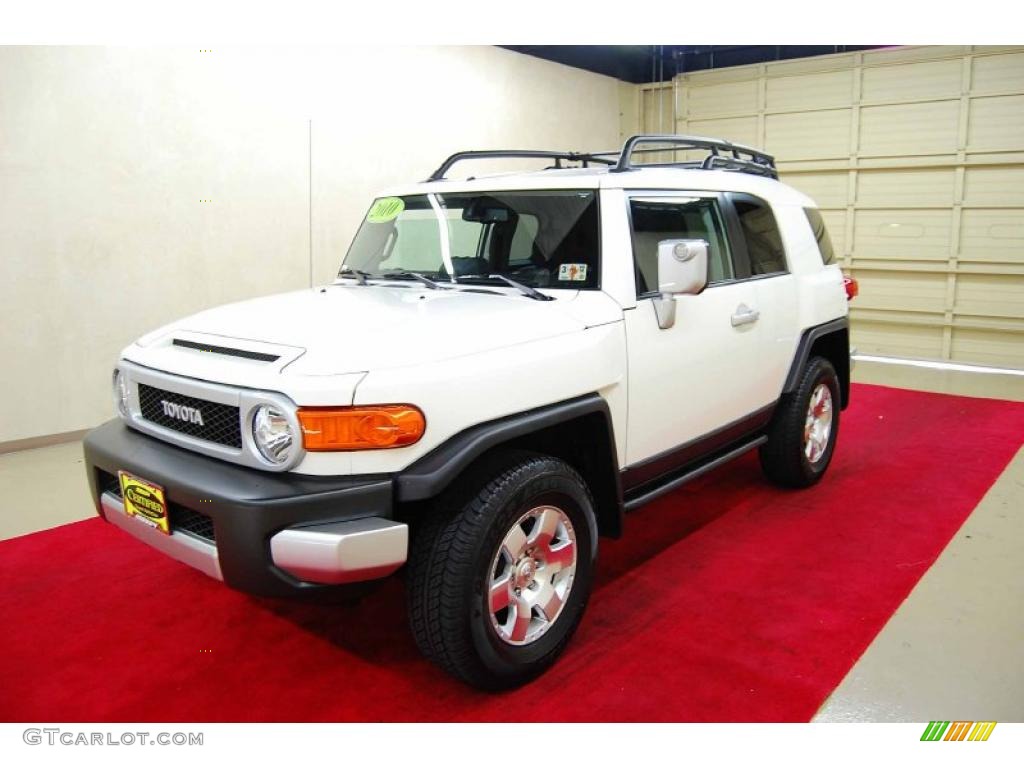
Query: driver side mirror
{"type": "Point", "coordinates": [682, 269]}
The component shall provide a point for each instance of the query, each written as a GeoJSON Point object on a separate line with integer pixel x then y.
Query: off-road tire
{"type": "Point", "coordinates": [783, 457]}
{"type": "Point", "coordinates": [451, 558]}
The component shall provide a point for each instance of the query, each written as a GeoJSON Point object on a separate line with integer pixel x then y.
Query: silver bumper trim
{"type": "Point", "coordinates": [180, 546]}
{"type": "Point", "coordinates": [338, 553]}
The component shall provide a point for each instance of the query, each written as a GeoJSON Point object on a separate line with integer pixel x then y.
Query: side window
{"type": "Point", "coordinates": [682, 218]}
{"type": "Point", "coordinates": [764, 243]}
{"type": "Point", "coordinates": [817, 222]}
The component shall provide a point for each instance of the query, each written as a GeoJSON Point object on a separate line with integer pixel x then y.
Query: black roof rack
{"type": "Point", "coordinates": [477, 154]}
{"type": "Point", "coordinates": [721, 154]}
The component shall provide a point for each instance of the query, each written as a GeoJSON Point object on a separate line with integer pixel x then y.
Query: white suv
{"type": "Point", "coordinates": [504, 366]}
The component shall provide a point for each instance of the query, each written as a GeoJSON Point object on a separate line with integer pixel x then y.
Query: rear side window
{"type": "Point", "coordinates": [817, 223]}
{"type": "Point", "coordinates": [761, 232]}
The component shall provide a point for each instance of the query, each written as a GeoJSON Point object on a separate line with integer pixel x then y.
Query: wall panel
{"type": "Point", "coordinates": [141, 185]}
{"type": "Point", "coordinates": [916, 157]}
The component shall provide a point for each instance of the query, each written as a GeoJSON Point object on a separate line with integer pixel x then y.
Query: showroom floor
{"type": "Point", "coordinates": [951, 651]}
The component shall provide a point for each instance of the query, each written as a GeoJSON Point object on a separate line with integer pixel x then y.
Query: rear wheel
{"type": "Point", "coordinates": [803, 432]}
{"type": "Point", "coordinates": [500, 574]}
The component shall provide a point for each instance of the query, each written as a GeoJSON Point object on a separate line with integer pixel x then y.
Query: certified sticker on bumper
{"type": "Point", "coordinates": [145, 501]}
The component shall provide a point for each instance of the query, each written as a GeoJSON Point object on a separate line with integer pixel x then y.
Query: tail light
{"type": "Point", "coordinates": [360, 428]}
{"type": "Point", "coordinates": [851, 286]}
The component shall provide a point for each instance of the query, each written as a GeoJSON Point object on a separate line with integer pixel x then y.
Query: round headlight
{"type": "Point", "coordinates": [272, 434]}
{"type": "Point", "coordinates": [121, 393]}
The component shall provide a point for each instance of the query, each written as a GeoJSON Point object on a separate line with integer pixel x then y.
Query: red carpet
{"type": "Point", "coordinates": [727, 601]}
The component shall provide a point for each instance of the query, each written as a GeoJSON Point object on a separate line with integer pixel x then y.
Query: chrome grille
{"type": "Point", "coordinates": [220, 422]}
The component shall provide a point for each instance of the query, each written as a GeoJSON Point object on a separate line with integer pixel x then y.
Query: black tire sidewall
{"type": "Point", "coordinates": [519, 663]}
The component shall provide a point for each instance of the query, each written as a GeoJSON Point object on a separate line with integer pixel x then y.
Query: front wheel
{"type": "Point", "coordinates": [803, 432]}
{"type": "Point", "coordinates": [500, 574]}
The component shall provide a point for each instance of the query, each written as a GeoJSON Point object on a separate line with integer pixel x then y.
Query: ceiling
{"type": "Point", "coordinates": [652, 63]}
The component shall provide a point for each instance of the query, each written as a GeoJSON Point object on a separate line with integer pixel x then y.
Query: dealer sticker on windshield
{"type": "Point", "coordinates": [385, 209]}
{"type": "Point", "coordinates": [573, 272]}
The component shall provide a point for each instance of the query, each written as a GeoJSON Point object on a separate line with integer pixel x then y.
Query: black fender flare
{"type": "Point", "coordinates": [429, 475]}
{"type": "Point", "coordinates": [808, 338]}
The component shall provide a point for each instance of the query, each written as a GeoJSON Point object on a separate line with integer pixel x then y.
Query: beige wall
{"type": "Point", "coordinates": [139, 185]}
{"type": "Point", "coordinates": [916, 157]}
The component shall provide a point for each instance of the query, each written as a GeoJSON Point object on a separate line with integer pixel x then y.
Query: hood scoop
{"type": "Point", "coordinates": [215, 357]}
{"type": "Point", "coordinates": [248, 354]}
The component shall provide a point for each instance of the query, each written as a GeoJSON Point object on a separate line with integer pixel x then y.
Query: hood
{"type": "Point", "coordinates": [347, 328]}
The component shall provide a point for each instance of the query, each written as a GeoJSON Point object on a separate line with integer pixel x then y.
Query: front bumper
{"type": "Point", "coordinates": [264, 533]}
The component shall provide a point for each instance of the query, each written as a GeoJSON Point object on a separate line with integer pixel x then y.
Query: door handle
{"type": "Point", "coordinates": [744, 315]}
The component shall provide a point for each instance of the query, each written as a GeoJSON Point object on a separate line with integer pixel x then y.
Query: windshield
{"type": "Point", "coordinates": [542, 239]}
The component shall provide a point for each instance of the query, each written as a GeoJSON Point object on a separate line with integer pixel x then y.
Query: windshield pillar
{"type": "Point", "coordinates": [446, 243]}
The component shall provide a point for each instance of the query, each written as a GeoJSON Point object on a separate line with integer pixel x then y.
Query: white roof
{"type": "Point", "coordinates": [686, 179]}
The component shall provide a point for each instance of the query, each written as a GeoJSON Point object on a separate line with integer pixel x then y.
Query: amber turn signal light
{"type": "Point", "coordinates": [361, 427]}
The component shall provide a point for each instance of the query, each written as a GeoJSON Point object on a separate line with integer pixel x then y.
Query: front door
{"type": "Point", "coordinates": [702, 374]}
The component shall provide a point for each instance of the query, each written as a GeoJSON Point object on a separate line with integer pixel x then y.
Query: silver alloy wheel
{"type": "Point", "coordinates": [818, 425]}
{"type": "Point", "coordinates": [531, 575]}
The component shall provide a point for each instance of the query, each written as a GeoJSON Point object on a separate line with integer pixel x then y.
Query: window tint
{"type": "Point", "coordinates": [764, 243]}
{"type": "Point", "coordinates": [523, 241]}
{"type": "Point", "coordinates": [688, 218]}
{"type": "Point", "coordinates": [817, 223]}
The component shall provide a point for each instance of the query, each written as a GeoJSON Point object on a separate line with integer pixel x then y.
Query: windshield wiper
{"type": "Point", "coordinates": [526, 290]}
{"type": "Point", "coordinates": [359, 275]}
{"type": "Point", "coordinates": [399, 274]}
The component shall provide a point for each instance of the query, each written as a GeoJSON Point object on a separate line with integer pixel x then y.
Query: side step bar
{"type": "Point", "coordinates": [693, 474]}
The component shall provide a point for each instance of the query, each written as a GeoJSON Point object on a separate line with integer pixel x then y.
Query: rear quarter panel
{"type": "Point", "coordinates": [820, 293]}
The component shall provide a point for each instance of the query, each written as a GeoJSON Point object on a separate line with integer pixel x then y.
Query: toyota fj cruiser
{"type": "Point", "coordinates": [504, 366]}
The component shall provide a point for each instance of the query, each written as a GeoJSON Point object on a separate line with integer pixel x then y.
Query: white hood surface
{"type": "Point", "coordinates": [348, 328]}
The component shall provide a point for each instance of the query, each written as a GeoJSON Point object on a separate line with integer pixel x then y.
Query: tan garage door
{"type": "Point", "coordinates": [916, 157]}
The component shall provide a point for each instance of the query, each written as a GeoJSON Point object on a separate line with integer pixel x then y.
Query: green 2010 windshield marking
{"type": "Point", "coordinates": [385, 209]}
